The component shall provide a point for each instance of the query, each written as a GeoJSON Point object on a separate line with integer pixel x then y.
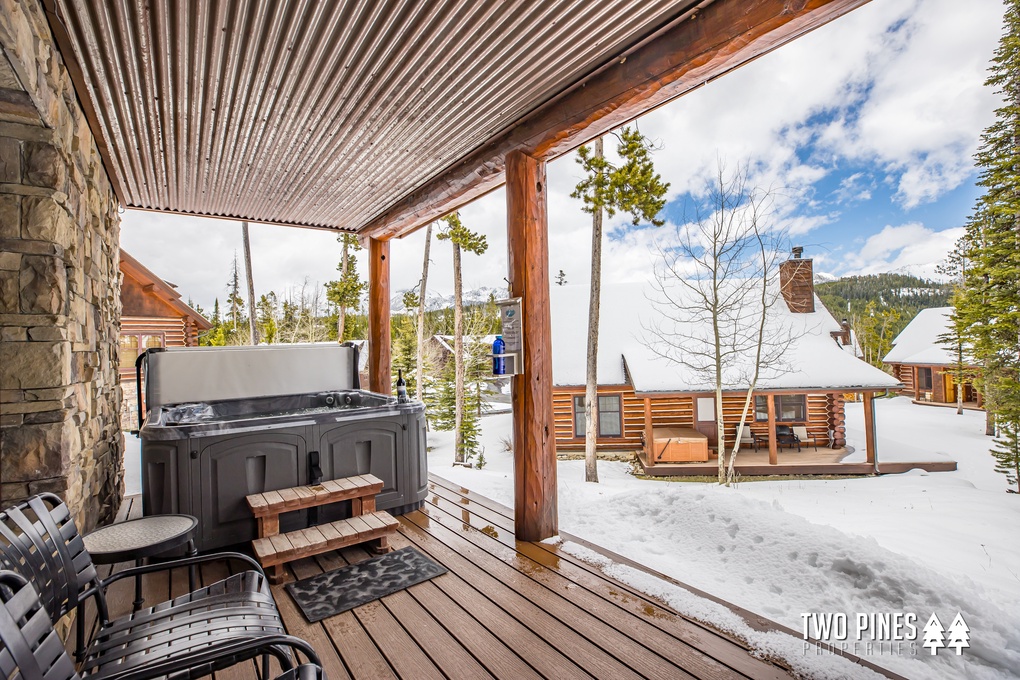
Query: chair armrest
{"type": "Point", "coordinates": [182, 562]}
{"type": "Point", "coordinates": [202, 661]}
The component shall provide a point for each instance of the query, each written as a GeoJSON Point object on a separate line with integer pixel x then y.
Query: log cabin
{"type": "Point", "coordinates": [927, 367]}
{"type": "Point", "coordinates": [667, 411]}
{"type": "Point", "coordinates": [153, 315]}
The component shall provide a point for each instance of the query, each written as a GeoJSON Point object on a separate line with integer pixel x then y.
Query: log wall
{"type": "Point", "coordinates": [824, 410]}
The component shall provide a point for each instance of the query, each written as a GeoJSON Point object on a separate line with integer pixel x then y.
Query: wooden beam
{"type": "Point", "coordinates": [379, 316]}
{"type": "Point", "coordinates": [870, 440]}
{"type": "Point", "coordinates": [700, 46]}
{"type": "Point", "coordinates": [535, 508]}
{"type": "Point", "coordinates": [648, 428]}
{"type": "Point", "coordinates": [770, 400]}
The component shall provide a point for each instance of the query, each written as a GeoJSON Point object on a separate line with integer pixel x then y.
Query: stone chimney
{"type": "Point", "coordinates": [797, 282]}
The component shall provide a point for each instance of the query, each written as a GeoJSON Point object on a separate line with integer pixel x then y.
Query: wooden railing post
{"type": "Point", "coordinates": [535, 509]}
{"type": "Point", "coordinates": [379, 316]}
{"type": "Point", "coordinates": [773, 444]}
{"type": "Point", "coordinates": [870, 440]}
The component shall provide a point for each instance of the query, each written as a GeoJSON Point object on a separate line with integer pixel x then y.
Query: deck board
{"type": "Point", "coordinates": [505, 609]}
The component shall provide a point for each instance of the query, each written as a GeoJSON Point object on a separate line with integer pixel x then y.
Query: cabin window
{"type": "Point", "coordinates": [132, 345]}
{"type": "Point", "coordinates": [789, 408]}
{"type": "Point", "coordinates": [610, 420]}
{"type": "Point", "coordinates": [924, 378]}
{"type": "Point", "coordinates": [128, 350]}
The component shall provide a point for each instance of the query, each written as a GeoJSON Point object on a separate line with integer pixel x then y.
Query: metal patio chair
{"type": "Point", "coordinates": [206, 630]}
{"type": "Point", "coordinates": [786, 437]}
{"type": "Point", "coordinates": [30, 648]}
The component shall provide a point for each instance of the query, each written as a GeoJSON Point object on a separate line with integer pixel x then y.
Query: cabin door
{"type": "Point", "coordinates": [704, 418]}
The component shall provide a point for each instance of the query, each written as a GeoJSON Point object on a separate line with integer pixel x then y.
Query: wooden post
{"type": "Point", "coordinates": [648, 431]}
{"type": "Point", "coordinates": [770, 400]}
{"type": "Point", "coordinates": [917, 382]}
{"type": "Point", "coordinates": [535, 509]}
{"type": "Point", "coordinates": [870, 441]}
{"type": "Point", "coordinates": [379, 316]}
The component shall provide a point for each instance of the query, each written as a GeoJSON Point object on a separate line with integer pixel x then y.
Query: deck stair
{"type": "Point", "coordinates": [273, 549]}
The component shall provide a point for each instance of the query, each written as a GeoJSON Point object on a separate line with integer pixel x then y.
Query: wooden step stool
{"type": "Point", "coordinates": [273, 549]}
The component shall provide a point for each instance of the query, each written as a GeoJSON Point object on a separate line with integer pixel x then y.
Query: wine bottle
{"type": "Point", "coordinates": [401, 387]}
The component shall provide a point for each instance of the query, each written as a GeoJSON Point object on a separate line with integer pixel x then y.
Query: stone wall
{"type": "Point", "coordinates": [59, 283]}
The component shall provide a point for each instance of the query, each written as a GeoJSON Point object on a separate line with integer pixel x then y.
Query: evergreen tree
{"type": "Point", "coordinates": [235, 306]}
{"type": "Point", "coordinates": [346, 292]}
{"type": "Point", "coordinates": [988, 316]}
{"type": "Point", "coordinates": [561, 278]}
{"type": "Point", "coordinates": [462, 239]}
{"type": "Point", "coordinates": [267, 311]}
{"type": "Point", "coordinates": [631, 187]}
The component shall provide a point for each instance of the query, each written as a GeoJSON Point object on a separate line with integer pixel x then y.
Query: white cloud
{"type": "Point", "coordinates": [909, 248]}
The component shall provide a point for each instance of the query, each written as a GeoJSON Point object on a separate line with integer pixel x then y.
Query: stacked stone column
{"type": "Point", "coordinates": [59, 283]}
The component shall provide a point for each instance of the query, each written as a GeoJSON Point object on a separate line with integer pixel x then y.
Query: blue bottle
{"type": "Point", "coordinates": [498, 362]}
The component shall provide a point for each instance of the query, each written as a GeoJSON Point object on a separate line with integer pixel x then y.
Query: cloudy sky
{"type": "Point", "coordinates": [866, 126]}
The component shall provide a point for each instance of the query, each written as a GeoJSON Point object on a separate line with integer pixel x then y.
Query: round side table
{"type": "Point", "coordinates": [137, 539]}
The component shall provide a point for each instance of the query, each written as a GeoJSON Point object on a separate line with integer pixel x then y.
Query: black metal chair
{"type": "Point", "coordinates": [30, 648]}
{"type": "Point", "coordinates": [206, 630]}
{"type": "Point", "coordinates": [786, 437]}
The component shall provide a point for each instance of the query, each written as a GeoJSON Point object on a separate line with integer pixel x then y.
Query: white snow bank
{"type": "Point", "coordinates": [941, 542]}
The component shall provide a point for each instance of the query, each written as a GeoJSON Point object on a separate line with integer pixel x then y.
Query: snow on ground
{"type": "Point", "coordinates": [914, 543]}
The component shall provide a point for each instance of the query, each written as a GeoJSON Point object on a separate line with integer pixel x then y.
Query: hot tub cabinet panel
{"type": "Point", "coordinates": [232, 467]}
{"type": "Point", "coordinates": [367, 448]}
{"type": "Point", "coordinates": [164, 466]}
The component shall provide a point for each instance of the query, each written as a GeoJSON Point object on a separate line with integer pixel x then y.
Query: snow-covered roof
{"type": "Point", "coordinates": [814, 359]}
{"type": "Point", "coordinates": [918, 342]}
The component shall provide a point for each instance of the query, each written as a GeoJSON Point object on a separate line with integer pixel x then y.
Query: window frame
{"type": "Point", "coordinates": [927, 371]}
{"type": "Point", "coordinates": [580, 421]}
{"type": "Point", "coordinates": [777, 400]}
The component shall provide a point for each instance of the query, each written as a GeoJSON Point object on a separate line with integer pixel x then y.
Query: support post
{"type": "Point", "coordinates": [648, 432]}
{"type": "Point", "coordinates": [770, 400]}
{"type": "Point", "coordinates": [535, 508]}
{"type": "Point", "coordinates": [379, 316]}
{"type": "Point", "coordinates": [870, 440]}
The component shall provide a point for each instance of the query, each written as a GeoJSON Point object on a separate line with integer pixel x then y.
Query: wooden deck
{"type": "Point", "coordinates": [506, 609]}
{"type": "Point", "coordinates": [807, 461]}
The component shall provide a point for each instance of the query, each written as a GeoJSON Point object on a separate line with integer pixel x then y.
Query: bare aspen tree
{"type": "Point", "coordinates": [715, 293]}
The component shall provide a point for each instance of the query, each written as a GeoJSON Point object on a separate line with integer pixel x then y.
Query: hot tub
{"type": "Point", "coordinates": [223, 423]}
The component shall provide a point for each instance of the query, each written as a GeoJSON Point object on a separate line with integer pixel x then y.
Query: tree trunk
{"type": "Point", "coordinates": [458, 357]}
{"type": "Point", "coordinates": [420, 350]}
{"type": "Point", "coordinates": [989, 422]}
{"type": "Point", "coordinates": [341, 312]}
{"type": "Point", "coordinates": [591, 383]}
{"type": "Point", "coordinates": [251, 285]}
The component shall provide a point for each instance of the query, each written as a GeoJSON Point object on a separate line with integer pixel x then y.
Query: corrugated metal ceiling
{"type": "Point", "coordinates": [323, 114]}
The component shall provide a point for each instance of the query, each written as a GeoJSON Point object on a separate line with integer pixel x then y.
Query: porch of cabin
{"type": "Point", "coordinates": [505, 609]}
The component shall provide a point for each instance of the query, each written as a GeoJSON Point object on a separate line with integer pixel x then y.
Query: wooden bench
{"type": "Point", "coordinates": [273, 549]}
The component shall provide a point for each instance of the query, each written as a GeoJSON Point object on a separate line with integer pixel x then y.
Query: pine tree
{"type": "Point", "coordinates": [632, 187]}
{"type": "Point", "coordinates": [561, 278]}
{"type": "Point", "coordinates": [235, 305]}
{"type": "Point", "coordinates": [346, 292]}
{"type": "Point", "coordinates": [986, 306]}
{"type": "Point", "coordinates": [462, 239]}
{"type": "Point", "coordinates": [1007, 455]}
